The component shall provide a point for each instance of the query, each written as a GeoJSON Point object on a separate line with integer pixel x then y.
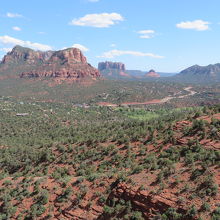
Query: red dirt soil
{"type": "Point", "coordinates": [152, 198]}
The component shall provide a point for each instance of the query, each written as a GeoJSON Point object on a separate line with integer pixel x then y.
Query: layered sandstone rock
{"type": "Point", "coordinates": [68, 63]}
{"type": "Point", "coordinates": [111, 65]}
{"type": "Point", "coordinates": [145, 201]}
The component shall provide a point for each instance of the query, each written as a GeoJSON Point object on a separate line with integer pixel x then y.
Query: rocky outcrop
{"type": "Point", "coordinates": [24, 55]}
{"type": "Point", "coordinates": [111, 65]}
{"type": "Point", "coordinates": [68, 63]}
{"type": "Point", "coordinates": [69, 56]}
{"type": "Point", "coordinates": [146, 202]}
{"type": "Point", "coordinates": [152, 73]}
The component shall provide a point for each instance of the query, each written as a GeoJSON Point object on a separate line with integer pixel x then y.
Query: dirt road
{"type": "Point", "coordinates": [190, 91]}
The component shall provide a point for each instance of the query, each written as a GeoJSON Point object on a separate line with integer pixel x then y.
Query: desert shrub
{"type": "Point", "coordinates": [92, 177]}
{"type": "Point", "coordinates": [137, 169]}
{"type": "Point", "coordinates": [208, 187]}
{"type": "Point", "coordinates": [36, 210]}
{"type": "Point", "coordinates": [43, 198]}
{"type": "Point", "coordinates": [102, 199]}
{"type": "Point", "coordinates": [205, 207]}
{"type": "Point", "coordinates": [136, 216]}
{"type": "Point", "coordinates": [171, 213]}
{"type": "Point", "coordinates": [192, 212]}
{"type": "Point", "coordinates": [216, 214]}
{"type": "Point", "coordinates": [66, 194]}
{"type": "Point", "coordinates": [60, 172]}
{"type": "Point", "coordinates": [7, 210]}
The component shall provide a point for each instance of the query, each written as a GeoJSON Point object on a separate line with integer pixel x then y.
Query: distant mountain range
{"type": "Point", "coordinates": [117, 70]}
{"type": "Point", "coordinates": [196, 73]}
{"type": "Point", "coordinates": [63, 64]}
{"type": "Point", "coordinates": [71, 64]}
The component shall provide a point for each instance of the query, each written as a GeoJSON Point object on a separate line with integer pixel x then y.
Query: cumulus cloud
{"type": "Point", "coordinates": [16, 28]}
{"type": "Point", "coordinates": [198, 25]}
{"type": "Point", "coordinates": [81, 47]}
{"type": "Point", "coordinates": [7, 40]}
{"type": "Point", "coordinates": [102, 20]}
{"type": "Point", "coordinates": [13, 15]}
{"type": "Point", "coordinates": [146, 34]}
{"type": "Point", "coordinates": [114, 53]}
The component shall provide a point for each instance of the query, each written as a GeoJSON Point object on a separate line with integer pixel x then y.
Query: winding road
{"type": "Point", "coordinates": [190, 91]}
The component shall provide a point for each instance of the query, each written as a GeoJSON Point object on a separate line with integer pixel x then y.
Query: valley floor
{"type": "Point", "coordinates": [177, 95]}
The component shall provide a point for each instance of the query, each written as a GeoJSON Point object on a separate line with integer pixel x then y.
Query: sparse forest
{"type": "Point", "coordinates": [58, 160]}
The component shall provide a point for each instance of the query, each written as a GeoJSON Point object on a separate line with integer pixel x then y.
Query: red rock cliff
{"type": "Point", "coordinates": [68, 63]}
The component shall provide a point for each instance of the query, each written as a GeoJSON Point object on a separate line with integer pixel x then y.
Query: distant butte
{"type": "Point", "coordinates": [111, 65]}
{"type": "Point", "coordinates": [152, 73]}
{"type": "Point", "coordinates": [113, 69]}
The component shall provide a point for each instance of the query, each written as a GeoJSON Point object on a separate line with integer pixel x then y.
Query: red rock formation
{"type": "Point", "coordinates": [111, 65]}
{"type": "Point", "coordinates": [152, 73]}
{"type": "Point", "coordinates": [124, 74]}
{"type": "Point", "coordinates": [70, 56]}
{"type": "Point", "coordinates": [68, 63]}
{"type": "Point", "coordinates": [144, 201]}
{"type": "Point", "coordinates": [113, 69]}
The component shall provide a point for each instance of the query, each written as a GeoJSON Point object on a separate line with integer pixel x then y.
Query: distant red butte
{"type": "Point", "coordinates": [124, 74]}
{"type": "Point", "coordinates": [113, 68]}
{"type": "Point", "coordinates": [111, 65]}
{"type": "Point", "coordinates": [152, 73]}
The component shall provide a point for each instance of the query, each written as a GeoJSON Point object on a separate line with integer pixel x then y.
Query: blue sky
{"type": "Point", "coordinates": [166, 35]}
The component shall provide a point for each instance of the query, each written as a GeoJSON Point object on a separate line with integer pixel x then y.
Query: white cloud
{"type": "Point", "coordinates": [81, 47]}
{"type": "Point", "coordinates": [114, 53]}
{"type": "Point", "coordinates": [93, 0]}
{"type": "Point", "coordinates": [7, 40]}
{"type": "Point", "coordinates": [112, 45]}
{"type": "Point", "coordinates": [198, 25]}
{"type": "Point", "coordinates": [13, 15]}
{"type": "Point", "coordinates": [16, 28]}
{"type": "Point", "coordinates": [102, 20]}
{"type": "Point", "coordinates": [5, 49]}
{"type": "Point", "coordinates": [146, 34]}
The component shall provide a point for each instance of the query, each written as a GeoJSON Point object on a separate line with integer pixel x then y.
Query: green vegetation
{"type": "Point", "coordinates": [82, 150]}
{"type": "Point", "coordinates": [101, 91]}
{"type": "Point", "coordinates": [111, 91]}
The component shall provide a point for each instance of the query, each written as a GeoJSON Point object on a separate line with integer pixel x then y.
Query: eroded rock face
{"type": "Point", "coordinates": [20, 55]}
{"type": "Point", "coordinates": [68, 63]}
{"type": "Point", "coordinates": [145, 201]}
{"type": "Point", "coordinates": [69, 56]}
{"type": "Point", "coordinates": [111, 65]}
